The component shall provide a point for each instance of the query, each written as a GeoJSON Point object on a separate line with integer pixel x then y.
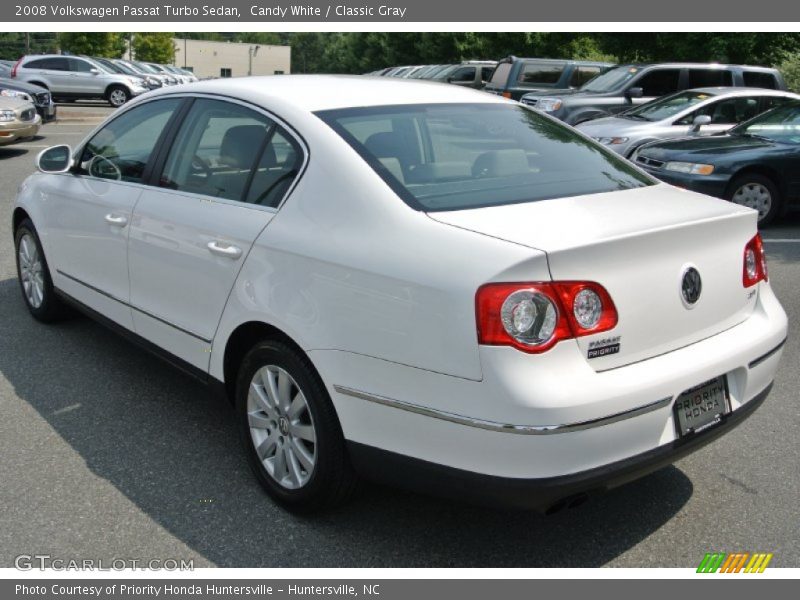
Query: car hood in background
{"type": "Point", "coordinates": [615, 126]}
{"type": "Point", "coordinates": [715, 145]}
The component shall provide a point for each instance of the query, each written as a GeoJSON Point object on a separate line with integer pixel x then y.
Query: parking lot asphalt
{"type": "Point", "coordinates": [109, 453]}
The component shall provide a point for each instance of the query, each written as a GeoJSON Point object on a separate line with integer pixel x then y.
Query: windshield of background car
{"type": "Point", "coordinates": [611, 80]}
{"type": "Point", "coordinates": [666, 107]}
{"type": "Point", "coordinates": [500, 75]}
{"type": "Point", "coordinates": [440, 157]}
{"type": "Point", "coordinates": [780, 124]}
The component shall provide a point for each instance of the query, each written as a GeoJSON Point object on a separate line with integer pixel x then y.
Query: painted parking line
{"type": "Point", "coordinates": [782, 241]}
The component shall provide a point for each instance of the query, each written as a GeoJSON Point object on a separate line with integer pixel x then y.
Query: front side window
{"type": "Point", "coordinates": [80, 66]}
{"type": "Point", "coordinates": [728, 111]}
{"type": "Point", "coordinates": [659, 82]}
{"type": "Point", "coordinates": [780, 124]}
{"type": "Point", "coordinates": [121, 150]}
{"type": "Point", "coordinates": [458, 156]}
{"type": "Point", "coordinates": [229, 151]}
{"type": "Point", "coordinates": [666, 107]}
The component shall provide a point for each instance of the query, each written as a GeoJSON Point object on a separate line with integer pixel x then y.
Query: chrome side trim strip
{"type": "Point", "coordinates": [132, 307]}
{"type": "Point", "coordinates": [504, 427]}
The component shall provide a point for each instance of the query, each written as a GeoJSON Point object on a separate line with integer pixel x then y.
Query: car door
{"type": "Point", "coordinates": [191, 235]}
{"type": "Point", "coordinates": [88, 211]}
{"type": "Point", "coordinates": [86, 78]}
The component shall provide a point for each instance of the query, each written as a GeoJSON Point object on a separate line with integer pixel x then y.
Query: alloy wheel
{"type": "Point", "coordinates": [31, 270]}
{"type": "Point", "coordinates": [281, 427]}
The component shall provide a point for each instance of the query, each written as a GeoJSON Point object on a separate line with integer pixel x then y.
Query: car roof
{"type": "Point", "coordinates": [740, 91]}
{"type": "Point", "coordinates": [683, 65]}
{"type": "Point", "coordinates": [341, 91]}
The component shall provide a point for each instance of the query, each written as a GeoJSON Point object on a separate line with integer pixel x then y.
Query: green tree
{"type": "Point", "coordinates": [106, 44]}
{"type": "Point", "coordinates": [154, 47]}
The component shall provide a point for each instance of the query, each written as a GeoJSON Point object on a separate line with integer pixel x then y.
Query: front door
{"type": "Point", "coordinates": [88, 212]}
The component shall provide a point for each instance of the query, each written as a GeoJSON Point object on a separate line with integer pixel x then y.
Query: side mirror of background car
{"type": "Point", "coordinates": [94, 71]}
{"type": "Point", "coordinates": [635, 92]}
{"type": "Point", "coordinates": [56, 159]}
{"type": "Point", "coordinates": [699, 121]}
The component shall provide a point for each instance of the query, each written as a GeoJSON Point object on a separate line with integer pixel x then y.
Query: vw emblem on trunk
{"type": "Point", "coordinates": [691, 286]}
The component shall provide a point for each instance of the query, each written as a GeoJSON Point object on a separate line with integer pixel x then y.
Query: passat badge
{"type": "Point", "coordinates": [603, 347]}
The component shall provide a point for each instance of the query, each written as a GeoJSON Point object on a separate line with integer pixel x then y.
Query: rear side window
{"type": "Point", "coordinates": [500, 75]}
{"type": "Point", "coordinates": [276, 170]}
{"type": "Point", "coordinates": [486, 73]}
{"type": "Point", "coordinates": [216, 149]}
{"type": "Point", "coordinates": [760, 79]}
{"type": "Point", "coordinates": [582, 74]}
{"type": "Point", "coordinates": [458, 156]}
{"type": "Point", "coordinates": [121, 150]}
{"type": "Point", "coordinates": [659, 82]}
{"type": "Point", "coordinates": [52, 64]}
{"type": "Point", "coordinates": [537, 73]}
{"type": "Point", "coordinates": [710, 78]}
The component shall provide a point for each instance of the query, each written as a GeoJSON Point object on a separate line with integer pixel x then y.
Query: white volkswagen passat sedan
{"type": "Point", "coordinates": [408, 281]}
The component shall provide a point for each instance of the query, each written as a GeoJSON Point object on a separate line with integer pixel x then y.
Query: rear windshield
{"type": "Point", "coordinates": [440, 157]}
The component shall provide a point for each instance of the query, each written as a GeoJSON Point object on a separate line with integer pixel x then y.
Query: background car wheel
{"type": "Point", "coordinates": [34, 275]}
{"type": "Point", "coordinates": [290, 431]}
{"type": "Point", "coordinates": [117, 96]}
{"type": "Point", "coordinates": [758, 192]}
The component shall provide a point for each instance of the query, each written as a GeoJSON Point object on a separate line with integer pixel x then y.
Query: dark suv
{"type": "Point", "coordinates": [628, 85]}
{"type": "Point", "coordinates": [513, 77]}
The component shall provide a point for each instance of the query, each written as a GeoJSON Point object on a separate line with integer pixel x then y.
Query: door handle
{"type": "Point", "coordinates": [223, 249]}
{"type": "Point", "coordinates": [116, 220]}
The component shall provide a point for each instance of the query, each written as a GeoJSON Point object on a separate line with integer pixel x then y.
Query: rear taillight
{"type": "Point", "coordinates": [14, 68]}
{"type": "Point", "coordinates": [533, 317]}
{"type": "Point", "coordinates": [754, 267]}
{"type": "Point", "coordinates": [507, 95]}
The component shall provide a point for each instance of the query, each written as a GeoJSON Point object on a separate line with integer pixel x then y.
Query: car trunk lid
{"type": "Point", "coordinates": [637, 244]}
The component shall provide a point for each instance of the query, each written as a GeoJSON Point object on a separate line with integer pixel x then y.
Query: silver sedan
{"type": "Point", "coordinates": [702, 111]}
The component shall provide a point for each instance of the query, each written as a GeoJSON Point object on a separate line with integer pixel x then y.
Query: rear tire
{"type": "Point", "coordinates": [34, 276]}
{"type": "Point", "coordinates": [117, 95]}
{"type": "Point", "coordinates": [758, 192]}
{"type": "Point", "coordinates": [290, 432]}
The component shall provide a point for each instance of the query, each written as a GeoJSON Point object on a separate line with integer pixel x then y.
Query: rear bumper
{"type": "Point", "coordinates": [544, 494]}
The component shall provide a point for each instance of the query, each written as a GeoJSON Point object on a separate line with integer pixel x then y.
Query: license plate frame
{"type": "Point", "coordinates": [701, 407]}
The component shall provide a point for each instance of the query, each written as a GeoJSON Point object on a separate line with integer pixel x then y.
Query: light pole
{"type": "Point", "coordinates": [252, 52]}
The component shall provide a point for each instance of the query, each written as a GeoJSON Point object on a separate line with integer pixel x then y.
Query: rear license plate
{"type": "Point", "coordinates": [702, 406]}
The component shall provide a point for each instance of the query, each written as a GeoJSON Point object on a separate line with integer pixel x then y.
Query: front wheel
{"type": "Point", "coordinates": [290, 431]}
{"type": "Point", "coordinates": [34, 275]}
{"type": "Point", "coordinates": [757, 192]}
{"type": "Point", "coordinates": [117, 96]}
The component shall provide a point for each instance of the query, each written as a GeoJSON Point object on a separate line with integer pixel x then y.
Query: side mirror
{"type": "Point", "coordinates": [699, 121]}
{"type": "Point", "coordinates": [94, 71]}
{"type": "Point", "coordinates": [56, 159]}
{"type": "Point", "coordinates": [634, 92]}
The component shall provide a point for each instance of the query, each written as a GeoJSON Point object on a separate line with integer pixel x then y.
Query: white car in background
{"type": "Point", "coordinates": [408, 281]}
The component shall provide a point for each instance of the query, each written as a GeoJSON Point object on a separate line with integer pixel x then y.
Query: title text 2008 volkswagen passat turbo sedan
{"type": "Point", "coordinates": [407, 281]}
